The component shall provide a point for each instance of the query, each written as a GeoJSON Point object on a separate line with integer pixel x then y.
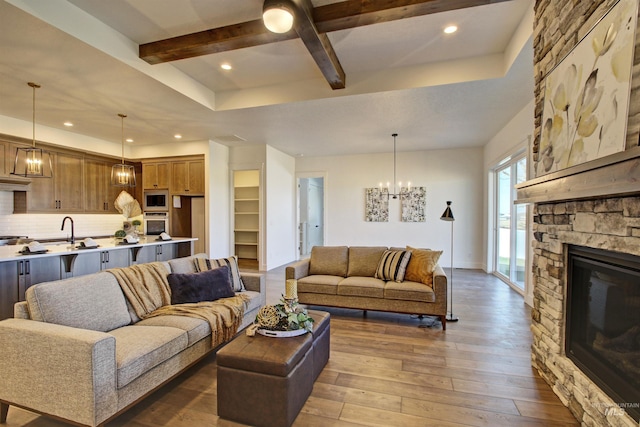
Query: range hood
{"type": "Point", "coordinates": [14, 183]}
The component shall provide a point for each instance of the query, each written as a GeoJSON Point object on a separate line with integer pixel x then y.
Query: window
{"type": "Point", "coordinates": [510, 223]}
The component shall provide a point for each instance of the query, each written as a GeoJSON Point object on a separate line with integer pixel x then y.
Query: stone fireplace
{"type": "Point", "coordinates": [612, 224]}
{"type": "Point", "coordinates": [595, 205]}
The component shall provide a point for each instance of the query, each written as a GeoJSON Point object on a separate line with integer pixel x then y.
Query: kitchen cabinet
{"type": "Point", "coordinates": [187, 177]}
{"type": "Point", "coordinates": [6, 165]}
{"type": "Point", "coordinates": [114, 258]}
{"type": "Point", "coordinates": [154, 253]}
{"type": "Point", "coordinates": [99, 193]}
{"type": "Point", "coordinates": [81, 263]}
{"type": "Point", "coordinates": [155, 175]}
{"type": "Point", "coordinates": [165, 252]}
{"type": "Point", "coordinates": [62, 193]}
{"type": "Point", "coordinates": [8, 288]}
{"type": "Point", "coordinates": [17, 276]}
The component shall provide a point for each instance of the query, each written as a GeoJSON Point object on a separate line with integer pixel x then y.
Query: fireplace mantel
{"type": "Point", "coordinates": [611, 176]}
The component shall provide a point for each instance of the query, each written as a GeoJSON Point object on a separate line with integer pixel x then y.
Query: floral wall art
{"type": "Point", "coordinates": [587, 95]}
{"type": "Point", "coordinates": [414, 202]}
{"type": "Point", "coordinates": [376, 205]}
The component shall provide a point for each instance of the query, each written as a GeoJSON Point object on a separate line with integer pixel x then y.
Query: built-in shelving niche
{"type": "Point", "coordinates": [246, 193]}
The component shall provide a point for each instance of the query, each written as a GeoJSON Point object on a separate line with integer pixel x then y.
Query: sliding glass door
{"type": "Point", "coordinates": [510, 222]}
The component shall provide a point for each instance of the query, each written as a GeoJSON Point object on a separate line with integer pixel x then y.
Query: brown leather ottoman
{"type": "Point", "coordinates": [265, 381]}
{"type": "Point", "coordinates": [321, 340]}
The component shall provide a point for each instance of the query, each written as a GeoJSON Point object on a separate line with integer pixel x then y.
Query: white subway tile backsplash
{"type": "Point", "coordinates": [47, 226]}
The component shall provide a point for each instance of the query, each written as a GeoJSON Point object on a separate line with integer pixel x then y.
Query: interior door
{"type": "Point", "coordinates": [315, 213]}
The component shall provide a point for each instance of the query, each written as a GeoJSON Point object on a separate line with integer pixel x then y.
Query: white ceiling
{"type": "Point", "coordinates": [406, 76]}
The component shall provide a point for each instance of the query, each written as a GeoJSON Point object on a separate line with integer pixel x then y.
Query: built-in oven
{"type": "Point", "coordinates": [156, 201]}
{"type": "Point", "coordinates": [156, 223]}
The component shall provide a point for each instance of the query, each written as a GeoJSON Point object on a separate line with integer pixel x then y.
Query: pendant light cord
{"type": "Point", "coordinates": [34, 86]}
{"type": "Point", "coordinates": [122, 116]}
{"type": "Point", "coordinates": [394, 163]}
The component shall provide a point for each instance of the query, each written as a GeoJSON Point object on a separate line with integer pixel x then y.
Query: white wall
{"type": "Point", "coordinates": [280, 208]}
{"type": "Point", "coordinates": [511, 138]}
{"type": "Point", "coordinates": [24, 129]}
{"type": "Point", "coordinates": [454, 175]}
{"type": "Point", "coordinates": [178, 148]}
{"type": "Point", "coordinates": [217, 190]}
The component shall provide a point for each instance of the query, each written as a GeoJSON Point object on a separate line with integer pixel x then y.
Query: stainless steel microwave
{"type": "Point", "coordinates": [156, 201]}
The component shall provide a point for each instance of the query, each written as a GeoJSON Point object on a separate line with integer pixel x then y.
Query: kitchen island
{"type": "Point", "coordinates": [62, 260]}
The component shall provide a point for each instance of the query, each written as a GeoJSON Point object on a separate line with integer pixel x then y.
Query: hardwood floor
{"type": "Point", "coordinates": [392, 370]}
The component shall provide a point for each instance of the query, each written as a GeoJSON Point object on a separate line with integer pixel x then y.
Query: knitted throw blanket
{"type": "Point", "coordinates": [146, 288]}
{"type": "Point", "coordinates": [224, 315]}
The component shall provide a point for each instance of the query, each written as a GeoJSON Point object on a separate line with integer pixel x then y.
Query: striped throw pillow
{"type": "Point", "coordinates": [204, 264]}
{"type": "Point", "coordinates": [393, 265]}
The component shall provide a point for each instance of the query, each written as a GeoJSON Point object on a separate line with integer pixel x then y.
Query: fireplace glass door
{"type": "Point", "coordinates": [603, 322]}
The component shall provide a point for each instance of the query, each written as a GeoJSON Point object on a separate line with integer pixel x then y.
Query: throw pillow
{"type": "Point", "coordinates": [392, 265]}
{"type": "Point", "coordinates": [203, 264]}
{"type": "Point", "coordinates": [421, 265]}
{"type": "Point", "coordinates": [208, 285]}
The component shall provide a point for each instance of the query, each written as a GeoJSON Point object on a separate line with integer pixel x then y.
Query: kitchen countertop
{"type": "Point", "coordinates": [11, 252]}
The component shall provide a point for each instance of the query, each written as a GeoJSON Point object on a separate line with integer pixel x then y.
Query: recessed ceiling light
{"type": "Point", "coordinates": [129, 140]}
{"type": "Point", "coordinates": [177, 136]}
{"type": "Point", "coordinates": [68, 124]}
{"type": "Point", "coordinates": [450, 29]}
{"type": "Point", "coordinates": [226, 66]}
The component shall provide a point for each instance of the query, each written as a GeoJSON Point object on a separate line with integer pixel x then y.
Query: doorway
{"type": "Point", "coordinates": [310, 214]}
{"type": "Point", "coordinates": [510, 223]}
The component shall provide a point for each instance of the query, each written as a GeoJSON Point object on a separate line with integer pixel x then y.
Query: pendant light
{"type": "Point", "coordinates": [123, 175]}
{"type": "Point", "coordinates": [395, 194]}
{"type": "Point", "coordinates": [32, 162]}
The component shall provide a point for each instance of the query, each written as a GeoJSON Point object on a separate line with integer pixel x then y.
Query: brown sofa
{"type": "Point", "coordinates": [342, 276]}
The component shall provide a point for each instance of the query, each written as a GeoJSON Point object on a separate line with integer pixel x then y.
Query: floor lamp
{"type": "Point", "coordinates": [448, 216]}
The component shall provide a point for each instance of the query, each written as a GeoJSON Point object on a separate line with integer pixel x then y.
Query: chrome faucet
{"type": "Point", "coordinates": [73, 237]}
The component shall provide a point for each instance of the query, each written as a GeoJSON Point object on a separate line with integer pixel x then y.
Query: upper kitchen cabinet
{"type": "Point", "coordinates": [7, 158]}
{"type": "Point", "coordinates": [187, 177]}
{"type": "Point", "coordinates": [155, 175]}
{"type": "Point", "coordinates": [6, 166]}
{"type": "Point", "coordinates": [100, 195]}
{"type": "Point", "coordinates": [62, 193]}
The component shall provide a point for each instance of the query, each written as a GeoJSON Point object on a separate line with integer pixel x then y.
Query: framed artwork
{"type": "Point", "coordinates": [586, 99]}
{"type": "Point", "coordinates": [376, 205]}
{"type": "Point", "coordinates": [414, 204]}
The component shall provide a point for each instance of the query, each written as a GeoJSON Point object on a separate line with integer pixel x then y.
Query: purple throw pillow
{"type": "Point", "coordinates": [208, 285]}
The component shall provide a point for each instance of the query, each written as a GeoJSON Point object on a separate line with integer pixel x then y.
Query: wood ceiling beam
{"type": "Point", "coordinates": [318, 45]}
{"type": "Point", "coordinates": [222, 39]}
{"type": "Point", "coordinates": [332, 17]}
{"type": "Point", "coordinates": [358, 13]}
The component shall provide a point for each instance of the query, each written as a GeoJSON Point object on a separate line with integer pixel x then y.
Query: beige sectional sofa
{"type": "Point", "coordinates": [342, 276]}
{"type": "Point", "coordinates": [75, 350]}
